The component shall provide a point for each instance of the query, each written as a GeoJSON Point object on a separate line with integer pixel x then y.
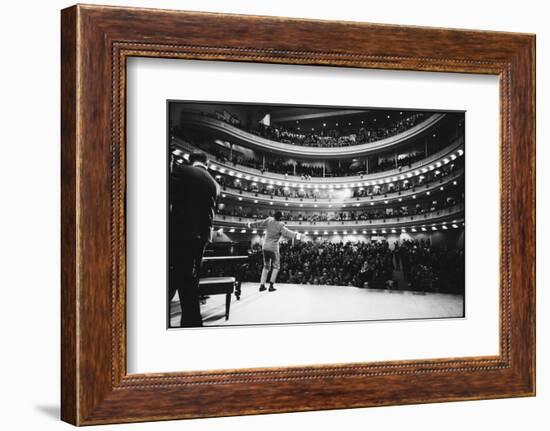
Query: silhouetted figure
{"type": "Point", "coordinates": [193, 197]}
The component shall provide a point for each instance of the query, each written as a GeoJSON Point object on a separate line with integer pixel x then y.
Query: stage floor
{"type": "Point", "coordinates": [296, 303]}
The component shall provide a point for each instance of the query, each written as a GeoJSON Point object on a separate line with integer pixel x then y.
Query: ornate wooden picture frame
{"type": "Point", "coordinates": [96, 41]}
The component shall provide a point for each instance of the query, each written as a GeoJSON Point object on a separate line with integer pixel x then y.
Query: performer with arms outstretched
{"type": "Point", "coordinates": [275, 228]}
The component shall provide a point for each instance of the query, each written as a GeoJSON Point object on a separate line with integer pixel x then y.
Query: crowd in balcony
{"type": "Point", "coordinates": [408, 184]}
{"type": "Point", "coordinates": [327, 137]}
{"type": "Point", "coordinates": [369, 265]}
{"type": "Point", "coordinates": [310, 170]}
{"type": "Point", "coordinates": [350, 215]}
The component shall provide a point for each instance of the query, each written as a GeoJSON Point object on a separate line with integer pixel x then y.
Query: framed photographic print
{"type": "Point", "coordinates": [268, 215]}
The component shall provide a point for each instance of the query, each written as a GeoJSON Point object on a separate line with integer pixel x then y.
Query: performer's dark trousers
{"type": "Point", "coordinates": [185, 263]}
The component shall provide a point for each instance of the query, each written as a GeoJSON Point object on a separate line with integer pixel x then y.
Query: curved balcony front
{"type": "Point", "coordinates": [437, 159]}
{"type": "Point", "coordinates": [314, 203]}
{"type": "Point", "coordinates": [228, 131]}
{"type": "Point", "coordinates": [452, 217]}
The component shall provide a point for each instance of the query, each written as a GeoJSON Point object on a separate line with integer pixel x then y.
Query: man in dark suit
{"type": "Point", "coordinates": [193, 197]}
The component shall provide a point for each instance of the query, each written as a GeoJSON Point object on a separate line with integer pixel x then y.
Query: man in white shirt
{"type": "Point", "coordinates": [275, 229]}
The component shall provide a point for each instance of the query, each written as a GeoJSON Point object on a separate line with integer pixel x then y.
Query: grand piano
{"type": "Point", "coordinates": [237, 256]}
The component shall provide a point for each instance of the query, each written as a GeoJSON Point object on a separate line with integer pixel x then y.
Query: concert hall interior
{"type": "Point", "coordinates": [376, 195]}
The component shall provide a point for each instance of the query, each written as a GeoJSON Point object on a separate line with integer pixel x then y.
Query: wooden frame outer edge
{"type": "Point", "coordinates": [79, 407]}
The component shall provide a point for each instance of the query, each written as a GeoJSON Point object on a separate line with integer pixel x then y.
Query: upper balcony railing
{"type": "Point", "coordinates": [451, 217]}
{"type": "Point", "coordinates": [451, 151]}
{"type": "Point", "coordinates": [227, 130]}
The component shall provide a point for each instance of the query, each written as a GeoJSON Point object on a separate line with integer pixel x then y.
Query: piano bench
{"type": "Point", "coordinates": [218, 286]}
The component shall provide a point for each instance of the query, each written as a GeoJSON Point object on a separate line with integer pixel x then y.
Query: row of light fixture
{"type": "Point", "coordinates": [403, 177]}
{"type": "Point", "coordinates": [386, 201]}
{"type": "Point", "coordinates": [444, 226]}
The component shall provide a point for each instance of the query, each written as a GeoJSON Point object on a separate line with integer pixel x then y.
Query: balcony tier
{"type": "Point", "coordinates": [250, 139]}
{"type": "Point", "coordinates": [417, 168]}
{"type": "Point", "coordinates": [444, 217]}
{"type": "Point", "coordinates": [322, 204]}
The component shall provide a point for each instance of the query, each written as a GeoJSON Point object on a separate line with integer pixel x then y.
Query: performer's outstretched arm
{"type": "Point", "coordinates": [257, 224]}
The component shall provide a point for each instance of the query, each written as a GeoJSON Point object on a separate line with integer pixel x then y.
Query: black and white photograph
{"type": "Point", "coordinates": [296, 214]}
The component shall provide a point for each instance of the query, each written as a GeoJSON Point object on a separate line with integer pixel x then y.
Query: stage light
{"type": "Point", "coordinates": [247, 177]}
{"type": "Point", "coordinates": [231, 230]}
{"type": "Point", "coordinates": [335, 232]}
{"type": "Point", "coordinates": [344, 205]}
{"type": "Point", "coordinates": [455, 225]}
{"type": "Point", "coordinates": [434, 228]}
{"type": "Point", "coordinates": [315, 205]}
{"type": "Point", "coordinates": [222, 170]}
{"type": "Point", "coordinates": [444, 227]}
{"type": "Point", "coordinates": [316, 233]}
{"type": "Point", "coordinates": [306, 232]}
{"type": "Point", "coordinates": [223, 195]}
{"type": "Point", "coordinates": [255, 179]}
{"type": "Point", "coordinates": [453, 157]}
{"type": "Point", "coordinates": [438, 164]}
{"type": "Point", "coordinates": [384, 231]}
{"type": "Point", "coordinates": [271, 182]}
{"type": "Point", "coordinates": [279, 183]}
{"type": "Point", "coordinates": [372, 203]}
{"type": "Point", "coordinates": [356, 205]}
{"type": "Point", "coordinates": [460, 152]}
{"type": "Point", "coordinates": [255, 201]}
{"type": "Point", "coordinates": [374, 231]}
{"type": "Point", "coordinates": [364, 232]}
{"type": "Point", "coordinates": [270, 203]}
{"type": "Point", "coordinates": [213, 167]}
{"type": "Point", "coordinates": [345, 232]}
{"type": "Point", "coordinates": [400, 199]}
{"type": "Point", "coordinates": [326, 232]}
{"type": "Point", "coordinates": [423, 229]}
{"type": "Point", "coordinates": [431, 167]}
{"type": "Point", "coordinates": [404, 230]}
{"type": "Point", "coordinates": [286, 204]}
{"type": "Point", "coordinates": [220, 230]}
{"type": "Point", "coordinates": [324, 124]}
{"type": "Point", "coordinates": [254, 231]}
{"type": "Point", "coordinates": [240, 198]}
{"type": "Point", "coordinates": [441, 188]}
{"type": "Point", "coordinates": [414, 196]}
{"type": "Point", "coordinates": [243, 231]}
{"type": "Point", "coordinates": [330, 206]}
{"type": "Point", "coordinates": [354, 232]}
{"type": "Point", "coordinates": [446, 160]}
{"type": "Point", "coordinates": [455, 183]}
{"type": "Point", "coordinates": [428, 193]}
{"type": "Point", "coordinates": [385, 202]}
{"type": "Point", "coordinates": [231, 173]}
{"type": "Point", "coordinates": [416, 172]}
{"type": "Point", "coordinates": [413, 230]}
{"type": "Point", "coordinates": [393, 231]}
{"type": "Point", "coordinates": [301, 205]}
